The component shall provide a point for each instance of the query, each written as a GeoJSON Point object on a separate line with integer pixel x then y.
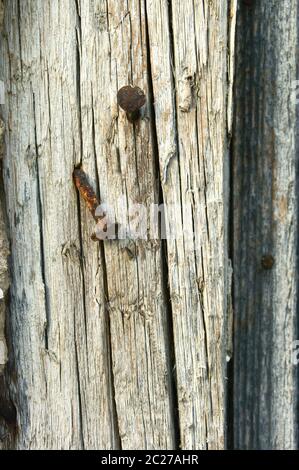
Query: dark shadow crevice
{"type": "Point", "coordinates": [164, 254]}
{"type": "Point", "coordinates": [41, 230]}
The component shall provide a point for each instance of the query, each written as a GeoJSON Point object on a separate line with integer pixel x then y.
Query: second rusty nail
{"type": "Point", "coordinates": [87, 193]}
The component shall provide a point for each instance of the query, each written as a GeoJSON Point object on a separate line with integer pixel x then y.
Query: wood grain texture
{"type": "Point", "coordinates": [189, 64]}
{"type": "Point", "coordinates": [61, 383]}
{"type": "Point", "coordinates": [265, 223]}
{"type": "Point", "coordinates": [4, 252]}
{"type": "Point", "coordinates": [113, 53]}
{"type": "Point", "coordinates": [92, 325]}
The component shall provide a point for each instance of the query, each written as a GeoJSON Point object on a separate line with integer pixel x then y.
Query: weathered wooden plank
{"type": "Point", "coordinates": [265, 224]}
{"type": "Point", "coordinates": [188, 43]}
{"type": "Point", "coordinates": [58, 328]}
{"type": "Point", "coordinates": [113, 54]}
{"type": "Point", "coordinates": [90, 325]}
{"type": "Point", "coordinates": [62, 71]}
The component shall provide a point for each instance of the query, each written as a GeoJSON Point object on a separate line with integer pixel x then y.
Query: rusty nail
{"type": "Point", "coordinates": [267, 261]}
{"type": "Point", "coordinates": [86, 191]}
{"type": "Point", "coordinates": [91, 201]}
{"type": "Point", "coordinates": [131, 99]}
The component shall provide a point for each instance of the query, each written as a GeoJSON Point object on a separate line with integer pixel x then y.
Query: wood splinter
{"type": "Point", "coordinates": [104, 229]}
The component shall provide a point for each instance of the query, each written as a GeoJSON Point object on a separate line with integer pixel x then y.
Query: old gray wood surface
{"type": "Point", "coordinates": [121, 344]}
{"type": "Point", "coordinates": [265, 224]}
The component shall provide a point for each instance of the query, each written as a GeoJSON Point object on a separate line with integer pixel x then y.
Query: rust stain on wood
{"type": "Point", "coordinates": [86, 191]}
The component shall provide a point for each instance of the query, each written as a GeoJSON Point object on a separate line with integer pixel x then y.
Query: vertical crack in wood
{"type": "Point", "coordinates": [78, 83]}
{"type": "Point", "coordinates": [82, 269]}
{"type": "Point", "coordinates": [165, 274]}
{"type": "Point", "coordinates": [115, 431]}
{"type": "Point", "coordinates": [115, 434]}
{"type": "Point", "coordinates": [78, 385]}
{"type": "Point", "coordinates": [8, 411]}
{"type": "Point", "coordinates": [41, 229]}
{"type": "Point", "coordinates": [230, 309]}
{"type": "Point", "coordinates": [229, 421]}
{"type": "Point", "coordinates": [110, 392]}
{"type": "Point", "coordinates": [78, 62]}
{"type": "Point", "coordinates": [176, 123]}
{"type": "Point", "coordinates": [8, 414]}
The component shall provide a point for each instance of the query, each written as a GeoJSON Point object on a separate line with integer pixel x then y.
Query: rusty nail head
{"type": "Point", "coordinates": [131, 99]}
{"type": "Point", "coordinates": [267, 261]}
